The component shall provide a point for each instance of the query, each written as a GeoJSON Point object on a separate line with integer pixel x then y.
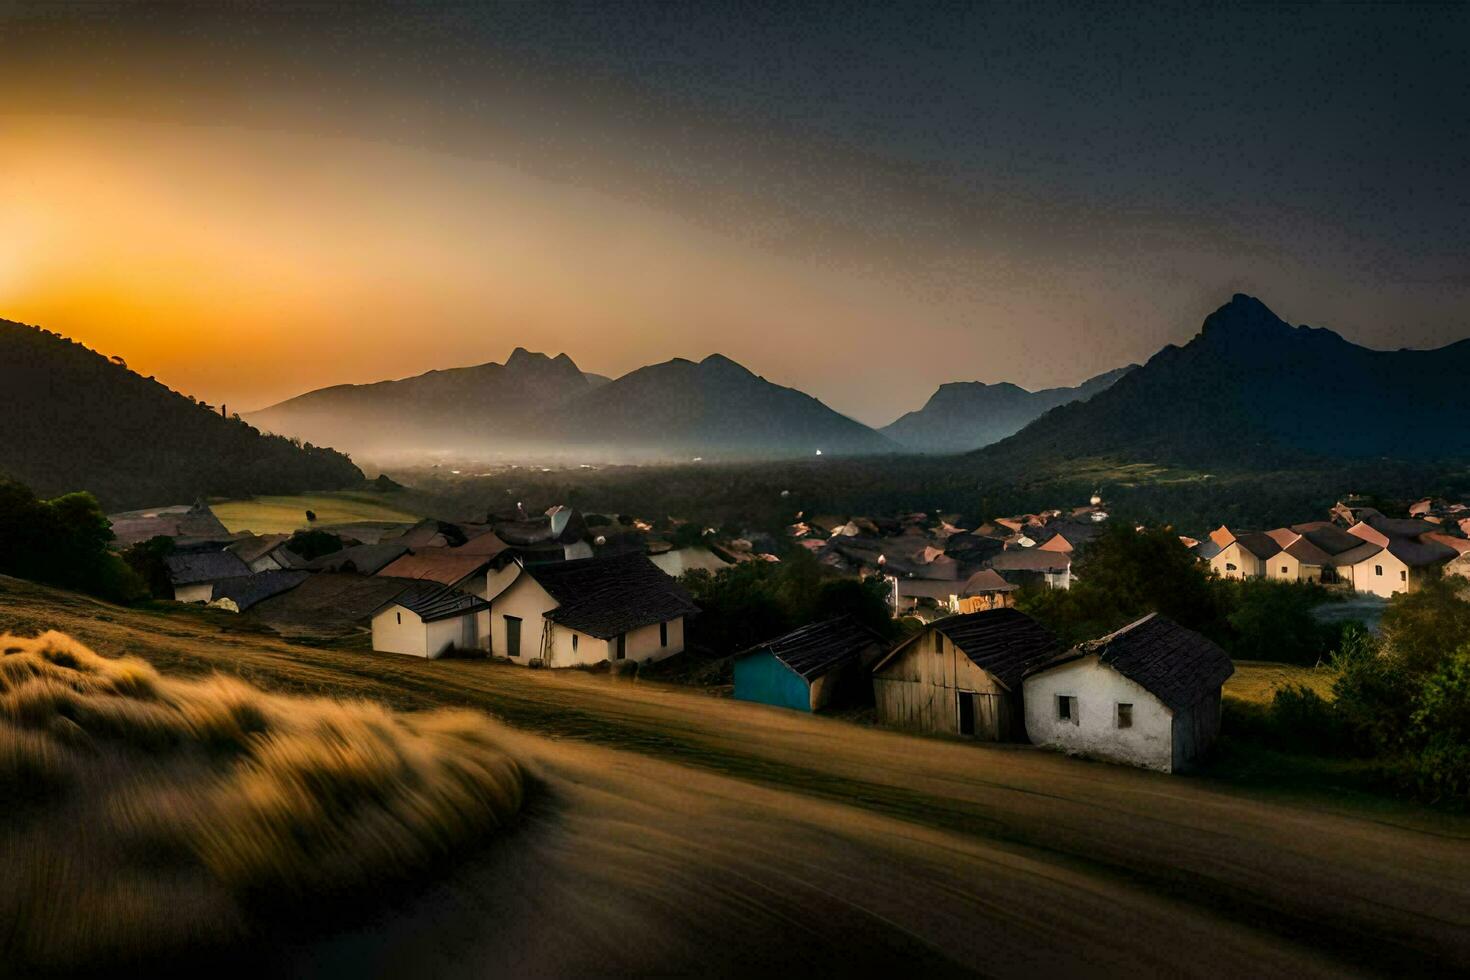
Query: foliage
{"type": "Point", "coordinates": [1273, 621]}
{"type": "Point", "coordinates": [1441, 727]}
{"type": "Point", "coordinates": [313, 544]}
{"type": "Point", "coordinates": [687, 535]}
{"type": "Point", "coordinates": [147, 560]}
{"type": "Point", "coordinates": [754, 601]}
{"type": "Point", "coordinates": [212, 805]}
{"type": "Point", "coordinates": [1426, 625]}
{"type": "Point", "coordinates": [62, 542]}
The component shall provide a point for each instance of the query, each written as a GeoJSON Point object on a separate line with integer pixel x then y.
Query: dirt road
{"type": "Point", "coordinates": [677, 831]}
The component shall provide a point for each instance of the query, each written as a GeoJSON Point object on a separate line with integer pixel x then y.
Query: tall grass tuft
{"type": "Point", "coordinates": [145, 815]}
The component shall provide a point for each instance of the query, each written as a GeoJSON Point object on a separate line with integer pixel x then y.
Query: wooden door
{"type": "Point", "coordinates": [967, 713]}
{"type": "Point", "coordinates": [512, 636]}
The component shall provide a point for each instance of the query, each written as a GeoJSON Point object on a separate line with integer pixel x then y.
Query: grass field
{"type": "Point", "coordinates": [679, 832]}
{"type": "Point", "coordinates": [1258, 681]}
{"type": "Point", "coordinates": [278, 515]}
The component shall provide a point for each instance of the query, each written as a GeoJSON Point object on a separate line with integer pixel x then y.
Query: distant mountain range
{"type": "Point", "coordinates": [966, 415]}
{"type": "Point", "coordinates": [536, 403]}
{"type": "Point", "coordinates": [1251, 390]}
{"type": "Point", "coordinates": [73, 419]}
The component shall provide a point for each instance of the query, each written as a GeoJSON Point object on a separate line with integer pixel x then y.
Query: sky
{"type": "Point", "coordinates": [253, 200]}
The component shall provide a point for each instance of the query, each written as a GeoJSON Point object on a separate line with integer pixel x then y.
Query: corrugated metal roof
{"type": "Point", "coordinates": [433, 602]}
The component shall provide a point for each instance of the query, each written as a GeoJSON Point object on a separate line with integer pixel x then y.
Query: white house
{"type": "Point", "coordinates": [428, 620]}
{"type": "Point", "coordinates": [586, 611]}
{"type": "Point", "coordinates": [1146, 695]}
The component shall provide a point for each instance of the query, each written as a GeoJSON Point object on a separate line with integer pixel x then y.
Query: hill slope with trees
{"type": "Point", "coordinates": [76, 420]}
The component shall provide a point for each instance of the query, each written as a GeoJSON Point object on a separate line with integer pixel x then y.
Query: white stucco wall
{"type": "Point", "coordinates": [527, 601]}
{"type": "Point", "coordinates": [1366, 577]}
{"type": "Point", "coordinates": [1094, 730]}
{"type": "Point", "coordinates": [1246, 564]}
{"type": "Point", "coordinates": [198, 592]}
{"type": "Point", "coordinates": [400, 630]}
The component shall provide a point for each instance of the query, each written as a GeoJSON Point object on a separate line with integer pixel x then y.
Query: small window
{"type": "Point", "coordinates": [1403, 576]}
{"type": "Point", "coordinates": [1125, 715]}
{"type": "Point", "coordinates": [1066, 708]}
{"type": "Point", "coordinates": [938, 642]}
{"type": "Point", "coordinates": [1377, 569]}
{"type": "Point", "coordinates": [1230, 567]}
{"type": "Point", "coordinates": [574, 642]}
{"type": "Point", "coordinates": [400, 618]}
{"type": "Point", "coordinates": [622, 649]}
{"type": "Point", "coordinates": [663, 634]}
{"type": "Point", "coordinates": [1283, 569]}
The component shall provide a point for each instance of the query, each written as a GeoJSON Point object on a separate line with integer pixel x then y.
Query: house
{"type": "Point", "coordinates": [1245, 556]}
{"type": "Point", "coordinates": [986, 589]}
{"type": "Point", "coordinates": [1051, 568]}
{"type": "Point", "coordinates": [236, 595]}
{"type": "Point", "coordinates": [447, 566]}
{"type": "Point", "coordinates": [327, 605]}
{"type": "Point", "coordinates": [428, 620]}
{"type": "Point", "coordinates": [586, 611]}
{"type": "Point", "coordinates": [184, 523]}
{"type": "Point", "coordinates": [1146, 695]}
{"type": "Point", "coordinates": [266, 552]}
{"type": "Point", "coordinates": [809, 668]}
{"type": "Point", "coordinates": [1401, 566]}
{"type": "Point", "coordinates": [194, 573]}
{"type": "Point", "coordinates": [962, 675]}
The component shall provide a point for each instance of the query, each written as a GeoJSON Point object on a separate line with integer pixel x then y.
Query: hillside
{"type": "Point", "coordinates": [454, 408]}
{"type": "Point", "coordinates": [966, 415]}
{"type": "Point", "coordinates": [901, 839]}
{"type": "Point", "coordinates": [1251, 390]}
{"type": "Point", "coordinates": [75, 420]}
{"type": "Point", "coordinates": [537, 404]}
{"type": "Point", "coordinates": [713, 407]}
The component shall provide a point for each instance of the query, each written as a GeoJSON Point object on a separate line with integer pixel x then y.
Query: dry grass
{"type": "Point", "coordinates": [282, 515]}
{"type": "Point", "coordinates": [147, 815]}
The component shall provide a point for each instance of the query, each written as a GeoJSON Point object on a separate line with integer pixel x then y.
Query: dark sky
{"type": "Point", "coordinates": [860, 200]}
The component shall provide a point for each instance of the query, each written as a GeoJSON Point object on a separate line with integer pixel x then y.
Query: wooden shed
{"type": "Point", "coordinates": [962, 675]}
{"type": "Point", "coordinates": [811, 667]}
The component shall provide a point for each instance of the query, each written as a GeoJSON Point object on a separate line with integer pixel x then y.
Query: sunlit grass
{"type": "Point", "coordinates": [1258, 681]}
{"type": "Point", "coordinates": [282, 515]}
{"type": "Point", "coordinates": [145, 814]}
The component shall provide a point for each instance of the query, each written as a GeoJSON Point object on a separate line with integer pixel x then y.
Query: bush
{"type": "Point", "coordinates": [314, 544]}
{"type": "Point", "coordinates": [1425, 626]}
{"type": "Point", "coordinates": [62, 542]}
{"type": "Point", "coordinates": [1273, 621]}
{"type": "Point", "coordinates": [1441, 725]}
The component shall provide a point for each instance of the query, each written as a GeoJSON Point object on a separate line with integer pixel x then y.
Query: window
{"type": "Point", "coordinates": [622, 646]}
{"type": "Point", "coordinates": [1283, 569]}
{"type": "Point", "coordinates": [400, 618]}
{"type": "Point", "coordinates": [512, 636]}
{"type": "Point", "coordinates": [663, 634]}
{"type": "Point", "coordinates": [1125, 715]}
{"type": "Point", "coordinates": [1230, 567]}
{"type": "Point", "coordinates": [575, 637]}
{"type": "Point", "coordinates": [1066, 708]}
{"type": "Point", "coordinates": [1377, 569]}
{"type": "Point", "coordinates": [1403, 576]}
{"type": "Point", "coordinates": [938, 642]}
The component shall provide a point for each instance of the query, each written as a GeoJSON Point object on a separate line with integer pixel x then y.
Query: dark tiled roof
{"type": "Point", "coordinates": [433, 602]}
{"type": "Point", "coordinates": [1399, 527]}
{"type": "Point", "coordinates": [1417, 554]}
{"type": "Point", "coordinates": [987, 580]}
{"type": "Point", "coordinates": [605, 597]}
{"type": "Point", "coordinates": [817, 649]}
{"type": "Point", "coordinates": [1304, 551]}
{"type": "Point", "coordinates": [248, 590]}
{"type": "Point", "coordinates": [1259, 544]}
{"type": "Point", "coordinates": [926, 588]}
{"type": "Point", "coordinates": [1364, 551]}
{"type": "Point", "coordinates": [254, 547]}
{"type": "Point", "coordinates": [1327, 536]}
{"type": "Point", "coordinates": [193, 567]}
{"type": "Point", "coordinates": [1177, 665]}
{"type": "Point", "coordinates": [1031, 560]}
{"type": "Point", "coordinates": [365, 558]}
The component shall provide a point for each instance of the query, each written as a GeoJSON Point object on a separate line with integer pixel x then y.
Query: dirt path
{"type": "Point", "coordinates": [810, 831]}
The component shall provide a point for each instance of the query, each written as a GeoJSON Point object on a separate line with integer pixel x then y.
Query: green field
{"type": "Point", "coordinates": [277, 515]}
{"type": "Point", "coordinates": [1258, 681]}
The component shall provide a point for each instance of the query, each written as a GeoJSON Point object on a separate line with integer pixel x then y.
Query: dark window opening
{"type": "Point", "coordinates": [938, 642]}
{"type": "Point", "coordinates": [663, 634]}
{"type": "Point", "coordinates": [512, 636]}
{"type": "Point", "coordinates": [1377, 569]}
{"type": "Point", "coordinates": [622, 646]}
{"type": "Point", "coordinates": [574, 642]}
{"type": "Point", "coordinates": [1403, 576]}
{"type": "Point", "coordinates": [400, 618]}
{"type": "Point", "coordinates": [1125, 715]}
{"type": "Point", "coordinates": [1066, 708]}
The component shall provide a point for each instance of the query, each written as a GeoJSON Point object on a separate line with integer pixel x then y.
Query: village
{"type": "Point", "coordinates": [561, 589]}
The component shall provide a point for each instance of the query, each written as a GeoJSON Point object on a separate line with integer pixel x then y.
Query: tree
{"type": "Point", "coordinates": [313, 544]}
{"type": "Point", "coordinates": [62, 542]}
{"type": "Point", "coordinates": [148, 560]}
{"type": "Point", "coordinates": [1424, 626]}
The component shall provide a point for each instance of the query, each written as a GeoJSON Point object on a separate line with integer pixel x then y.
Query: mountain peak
{"type": "Point", "coordinates": [719, 362]}
{"type": "Point", "coordinates": [520, 356]}
{"type": "Point", "coordinates": [1243, 315]}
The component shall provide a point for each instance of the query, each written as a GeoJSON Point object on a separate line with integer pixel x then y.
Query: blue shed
{"type": "Point", "coordinates": [806, 668]}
